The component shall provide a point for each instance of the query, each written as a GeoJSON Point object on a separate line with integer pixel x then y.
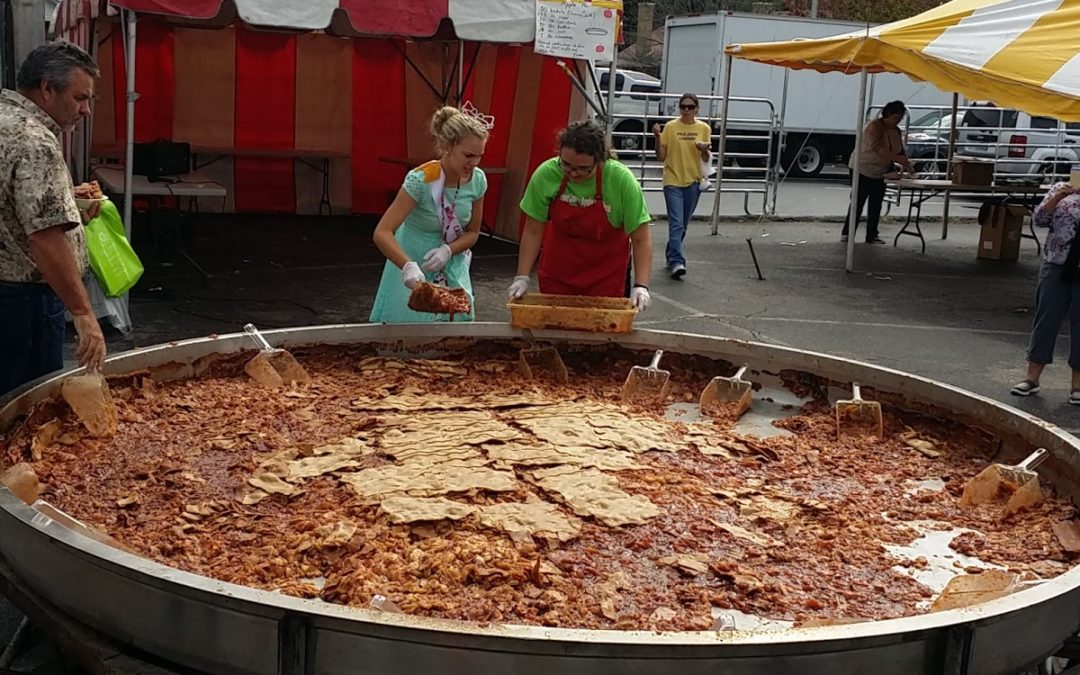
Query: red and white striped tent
{"type": "Point", "coordinates": [355, 80]}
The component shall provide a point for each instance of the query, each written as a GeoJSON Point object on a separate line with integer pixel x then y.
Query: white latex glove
{"type": "Point", "coordinates": [640, 298]}
{"type": "Point", "coordinates": [518, 287]}
{"type": "Point", "coordinates": [436, 258]}
{"type": "Point", "coordinates": [411, 275]}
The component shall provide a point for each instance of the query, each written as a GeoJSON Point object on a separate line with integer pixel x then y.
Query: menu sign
{"type": "Point", "coordinates": [577, 29]}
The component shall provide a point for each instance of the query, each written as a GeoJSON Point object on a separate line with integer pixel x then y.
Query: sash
{"type": "Point", "coordinates": [447, 214]}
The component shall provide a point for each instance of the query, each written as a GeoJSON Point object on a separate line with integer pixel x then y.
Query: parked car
{"type": "Point", "coordinates": [927, 140]}
{"type": "Point", "coordinates": [634, 109]}
{"type": "Point", "coordinates": [1022, 145]}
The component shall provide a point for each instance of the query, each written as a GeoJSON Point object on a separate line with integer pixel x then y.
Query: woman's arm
{"type": "Point", "coordinates": [642, 242]}
{"type": "Point", "coordinates": [1044, 212]}
{"type": "Point", "coordinates": [529, 249]}
{"type": "Point", "coordinates": [391, 220]}
{"type": "Point", "coordinates": [704, 146]}
{"type": "Point", "coordinates": [661, 149]}
{"type": "Point", "coordinates": [471, 234]}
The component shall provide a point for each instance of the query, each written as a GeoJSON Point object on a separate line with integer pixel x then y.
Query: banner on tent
{"type": "Point", "coordinates": [577, 29]}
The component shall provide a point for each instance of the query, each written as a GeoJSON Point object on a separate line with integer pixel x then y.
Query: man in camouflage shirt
{"type": "Point", "coordinates": [42, 243]}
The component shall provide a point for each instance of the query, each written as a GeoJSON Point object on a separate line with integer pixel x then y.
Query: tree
{"type": "Point", "coordinates": [869, 11]}
{"type": "Point", "coordinates": [666, 8]}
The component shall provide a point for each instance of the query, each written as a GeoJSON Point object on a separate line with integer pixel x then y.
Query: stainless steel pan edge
{"type": "Point", "coordinates": [67, 567]}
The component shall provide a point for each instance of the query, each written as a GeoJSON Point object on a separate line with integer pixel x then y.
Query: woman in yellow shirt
{"type": "Point", "coordinates": [682, 145]}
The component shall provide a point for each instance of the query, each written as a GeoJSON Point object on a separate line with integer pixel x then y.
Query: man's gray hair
{"type": "Point", "coordinates": [54, 62]}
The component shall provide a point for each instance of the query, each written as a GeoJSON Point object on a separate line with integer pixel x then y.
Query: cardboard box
{"type": "Point", "coordinates": [972, 171]}
{"type": "Point", "coordinates": [999, 238]}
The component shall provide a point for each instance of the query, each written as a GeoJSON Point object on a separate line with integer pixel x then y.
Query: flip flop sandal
{"type": "Point", "coordinates": [1027, 388]}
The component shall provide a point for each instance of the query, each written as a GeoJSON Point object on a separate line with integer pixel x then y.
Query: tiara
{"type": "Point", "coordinates": [486, 121]}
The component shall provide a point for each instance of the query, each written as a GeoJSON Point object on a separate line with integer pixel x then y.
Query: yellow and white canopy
{"type": "Point", "coordinates": [1022, 54]}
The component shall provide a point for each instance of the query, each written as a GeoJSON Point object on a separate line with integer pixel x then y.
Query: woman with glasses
{"type": "Point", "coordinates": [683, 146]}
{"type": "Point", "coordinates": [585, 216]}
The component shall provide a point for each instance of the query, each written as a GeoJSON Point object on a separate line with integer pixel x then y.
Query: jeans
{"type": "Point", "coordinates": [31, 334]}
{"type": "Point", "coordinates": [872, 190]}
{"type": "Point", "coordinates": [681, 202]}
{"type": "Point", "coordinates": [1054, 300]}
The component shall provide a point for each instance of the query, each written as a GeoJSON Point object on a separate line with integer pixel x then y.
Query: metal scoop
{"type": "Point", "coordinates": [727, 390]}
{"type": "Point", "coordinates": [534, 359]}
{"type": "Point", "coordinates": [649, 381]}
{"type": "Point", "coordinates": [273, 367]}
{"type": "Point", "coordinates": [1002, 480]}
{"type": "Point", "coordinates": [89, 397]}
{"type": "Point", "coordinates": [857, 417]}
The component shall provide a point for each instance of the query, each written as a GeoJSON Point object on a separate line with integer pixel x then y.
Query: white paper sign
{"type": "Point", "coordinates": [576, 29]}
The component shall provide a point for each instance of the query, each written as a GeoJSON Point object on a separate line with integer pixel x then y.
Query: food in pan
{"type": "Point", "coordinates": [457, 489]}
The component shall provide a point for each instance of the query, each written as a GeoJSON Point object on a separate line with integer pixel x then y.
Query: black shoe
{"type": "Point", "coordinates": [875, 240]}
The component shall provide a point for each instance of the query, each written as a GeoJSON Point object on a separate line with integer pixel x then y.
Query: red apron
{"type": "Point", "coordinates": [582, 253]}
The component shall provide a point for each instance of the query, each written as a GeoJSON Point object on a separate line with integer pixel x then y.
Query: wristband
{"type": "Point", "coordinates": [640, 286]}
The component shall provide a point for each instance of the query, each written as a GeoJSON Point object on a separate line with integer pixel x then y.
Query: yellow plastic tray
{"type": "Point", "coordinates": [572, 312]}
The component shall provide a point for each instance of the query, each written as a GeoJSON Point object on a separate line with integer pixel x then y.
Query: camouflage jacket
{"type": "Point", "coordinates": [35, 187]}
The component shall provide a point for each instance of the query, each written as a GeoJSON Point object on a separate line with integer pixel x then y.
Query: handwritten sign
{"type": "Point", "coordinates": [576, 29]}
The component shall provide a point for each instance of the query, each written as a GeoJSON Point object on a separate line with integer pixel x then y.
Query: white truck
{"type": "Point", "coordinates": [818, 111]}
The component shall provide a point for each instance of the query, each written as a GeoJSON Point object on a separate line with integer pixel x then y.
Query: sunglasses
{"type": "Point", "coordinates": [687, 106]}
{"type": "Point", "coordinates": [576, 170]}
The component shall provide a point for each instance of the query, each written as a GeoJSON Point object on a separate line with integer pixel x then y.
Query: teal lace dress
{"type": "Point", "coordinates": [421, 232]}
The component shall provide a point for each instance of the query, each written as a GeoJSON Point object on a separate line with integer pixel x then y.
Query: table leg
{"type": "Point", "coordinates": [1033, 236]}
{"type": "Point", "coordinates": [907, 221]}
{"type": "Point", "coordinates": [325, 188]}
{"type": "Point", "coordinates": [914, 206]}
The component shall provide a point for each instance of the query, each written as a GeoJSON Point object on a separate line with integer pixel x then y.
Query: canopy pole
{"type": "Point", "coordinates": [714, 220]}
{"type": "Point", "coordinates": [948, 166]}
{"type": "Point", "coordinates": [853, 209]}
{"type": "Point", "coordinates": [613, 71]}
{"type": "Point", "coordinates": [131, 97]}
{"type": "Point", "coordinates": [460, 72]}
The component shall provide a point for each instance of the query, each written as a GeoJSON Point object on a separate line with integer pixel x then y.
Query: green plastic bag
{"type": "Point", "coordinates": [111, 257]}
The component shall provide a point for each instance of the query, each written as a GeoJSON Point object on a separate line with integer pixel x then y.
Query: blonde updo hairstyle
{"type": "Point", "coordinates": [450, 126]}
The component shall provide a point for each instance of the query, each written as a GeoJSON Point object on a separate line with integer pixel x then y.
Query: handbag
{"type": "Point", "coordinates": [161, 158]}
{"type": "Point", "coordinates": [112, 258]}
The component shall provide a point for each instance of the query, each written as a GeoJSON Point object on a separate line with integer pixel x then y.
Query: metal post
{"type": "Point", "coordinates": [813, 9]}
{"type": "Point", "coordinates": [948, 166]}
{"type": "Point", "coordinates": [613, 71]}
{"type": "Point", "coordinates": [853, 213]}
{"type": "Point", "coordinates": [714, 221]}
{"type": "Point", "coordinates": [460, 71]}
{"type": "Point", "coordinates": [780, 143]}
{"type": "Point", "coordinates": [28, 28]}
{"type": "Point", "coordinates": [132, 96]}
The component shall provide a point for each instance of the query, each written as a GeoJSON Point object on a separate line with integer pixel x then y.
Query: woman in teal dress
{"type": "Point", "coordinates": [429, 230]}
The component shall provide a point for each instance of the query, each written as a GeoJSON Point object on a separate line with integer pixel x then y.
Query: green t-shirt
{"type": "Point", "coordinates": [623, 198]}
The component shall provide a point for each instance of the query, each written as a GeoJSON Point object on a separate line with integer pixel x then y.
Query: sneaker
{"type": "Point", "coordinates": [1027, 388]}
{"type": "Point", "coordinates": [843, 238]}
{"type": "Point", "coordinates": [1074, 397]}
{"type": "Point", "coordinates": [678, 271]}
{"type": "Point", "coordinates": [875, 240]}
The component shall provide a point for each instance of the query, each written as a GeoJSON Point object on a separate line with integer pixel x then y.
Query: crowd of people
{"type": "Point", "coordinates": [586, 229]}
